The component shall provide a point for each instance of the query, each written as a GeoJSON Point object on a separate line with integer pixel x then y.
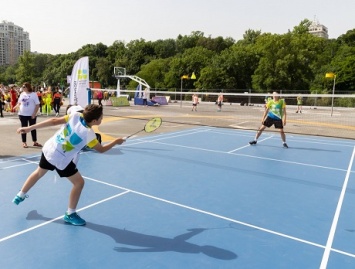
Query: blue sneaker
{"type": "Point", "coordinates": [74, 219]}
{"type": "Point", "coordinates": [18, 199]}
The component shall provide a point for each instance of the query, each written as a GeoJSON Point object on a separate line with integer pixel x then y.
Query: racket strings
{"type": "Point", "coordinates": [152, 125]}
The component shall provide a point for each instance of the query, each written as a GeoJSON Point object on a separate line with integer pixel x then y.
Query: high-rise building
{"type": "Point", "coordinates": [14, 41]}
{"type": "Point", "coordinates": [318, 29]}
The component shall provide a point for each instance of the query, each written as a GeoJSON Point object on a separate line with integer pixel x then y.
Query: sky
{"type": "Point", "coordinates": [64, 26]}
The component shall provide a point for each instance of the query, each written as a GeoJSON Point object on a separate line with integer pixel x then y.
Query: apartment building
{"type": "Point", "coordinates": [318, 29]}
{"type": "Point", "coordinates": [14, 41]}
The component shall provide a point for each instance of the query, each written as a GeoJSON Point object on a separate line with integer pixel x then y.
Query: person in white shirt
{"type": "Point", "coordinates": [28, 104]}
{"type": "Point", "coordinates": [145, 96]}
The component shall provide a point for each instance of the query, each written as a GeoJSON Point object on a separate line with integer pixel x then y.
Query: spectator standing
{"type": "Point", "coordinates": [39, 95]}
{"type": "Point", "coordinates": [28, 107]}
{"type": "Point", "coordinates": [57, 99]}
{"type": "Point", "coordinates": [145, 97]}
{"type": "Point", "coordinates": [13, 97]}
{"type": "Point", "coordinates": [47, 102]}
{"type": "Point", "coordinates": [7, 100]}
{"type": "Point", "coordinates": [99, 97]}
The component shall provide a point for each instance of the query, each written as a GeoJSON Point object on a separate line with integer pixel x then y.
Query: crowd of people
{"type": "Point", "coordinates": [50, 99]}
{"type": "Point", "coordinates": [28, 102]}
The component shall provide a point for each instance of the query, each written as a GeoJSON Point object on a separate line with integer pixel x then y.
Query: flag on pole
{"type": "Point", "coordinates": [185, 77]}
{"type": "Point", "coordinates": [79, 83]}
{"type": "Point", "coordinates": [330, 75]}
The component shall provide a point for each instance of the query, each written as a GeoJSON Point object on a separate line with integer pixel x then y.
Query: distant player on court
{"type": "Point", "coordinates": [299, 103]}
{"type": "Point", "coordinates": [275, 114]}
{"type": "Point", "coordinates": [194, 102]}
{"type": "Point", "coordinates": [220, 102]}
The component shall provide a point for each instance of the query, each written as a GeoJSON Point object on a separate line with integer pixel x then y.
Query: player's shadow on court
{"type": "Point", "coordinates": [150, 243]}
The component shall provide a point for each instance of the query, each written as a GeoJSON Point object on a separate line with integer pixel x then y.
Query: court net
{"type": "Point", "coordinates": [318, 114]}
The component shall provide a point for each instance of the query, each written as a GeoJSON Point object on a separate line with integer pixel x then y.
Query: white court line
{"type": "Point", "coordinates": [234, 150]}
{"type": "Point", "coordinates": [169, 136]}
{"type": "Point", "coordinates": [238, 154]}
{"type": "Point", "coordinates": [221, 217]}
{"type": "Point", "coordinates": [327, 248]}
{"type": "Point", "coordinates": [126, 190]}
{"type": "Point", "coordinates": [21, 164]}
{"type": "Point", "coordinates": [249, 156]}
{"type": "Point", "coordinates": [60, 217]}
{"type": "Point", "coordinates": [209, 213]}
{"type": "Point", "coordinates": [157, 141]}
{"type": "Point", "coordinates": [336, 216]}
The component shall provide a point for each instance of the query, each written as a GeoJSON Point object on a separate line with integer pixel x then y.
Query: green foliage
{"type": "Point", "coordinates": [287, 61]}
{"type": "Point", "coordinates": [292, 62]}
{"type": "Point", "coordinates": [154, 72]}
{"type": "Point", "coordinates": [25, 70]}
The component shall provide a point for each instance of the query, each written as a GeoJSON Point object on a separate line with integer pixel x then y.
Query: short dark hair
{"type": "Point", "coordinates": [92, 112]}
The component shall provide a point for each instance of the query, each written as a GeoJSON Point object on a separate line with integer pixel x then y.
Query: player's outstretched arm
{"type": "Point", "coordinates": [43, 124]}
{"type": "Point", "coordinates": [103, 148]}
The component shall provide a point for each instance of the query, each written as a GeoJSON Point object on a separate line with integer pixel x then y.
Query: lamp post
{"type": "Point", "coordinates": [333, 76]}
{"type": "Point", "coordinates": [193, 76]}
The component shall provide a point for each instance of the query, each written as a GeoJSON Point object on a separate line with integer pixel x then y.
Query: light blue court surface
{"type": "Point", "coordinates": [199, 198]}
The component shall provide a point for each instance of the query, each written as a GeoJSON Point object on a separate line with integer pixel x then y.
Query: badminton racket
{"type": "Point", "coordinates": [149, 127]}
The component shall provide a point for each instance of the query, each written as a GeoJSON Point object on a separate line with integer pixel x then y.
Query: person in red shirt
{"type": "Point", "coordinates": [57, 99]}
{"type": "Point", "coordinates": [13, 96]}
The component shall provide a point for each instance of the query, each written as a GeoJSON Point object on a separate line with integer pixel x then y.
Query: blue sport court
{"type": "Point", "coordinates": [194, 198]}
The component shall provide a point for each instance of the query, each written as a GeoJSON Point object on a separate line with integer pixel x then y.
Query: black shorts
{"type": "Point", "coordinates": [270, 121]}
{"type": "Point", "coordinates": [68, 171]}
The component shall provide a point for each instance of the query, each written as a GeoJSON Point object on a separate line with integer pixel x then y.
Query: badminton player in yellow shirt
{"type": "Point", "coordinates": [275, 114]}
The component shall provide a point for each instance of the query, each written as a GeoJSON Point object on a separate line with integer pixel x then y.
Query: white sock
{"type": "Point", "coordinates": [21, 194]}
{"type": "Point", "coordinates": [71, 211]}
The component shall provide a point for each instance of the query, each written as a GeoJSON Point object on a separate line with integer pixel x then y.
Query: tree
{"type": "Point", "coordinates": [164, 48]}
{"type": "Point", "coordinates": [348, 38]}
{"type": "Point", "coordinates": [192, 60]}
{"type": "Point", "coordinates": [139, 53]}
{"type": "Point", "coordinates": [187, 42]}
{"type": "Point", "coordinates": [302, 28]}
{"type": "Point", "coordinates": [104, 71]}
{"type": "Point", "coordinates": [287, 61]}
{"type": "Point", "coordinates": [217, 44]}
{"type": "Point", "coordinates": [344, 67]}
{"type": "Point", "coordinates": [250, 37]}
{"type": "Point", "coordinates": [154, 72]}
{"type": "Point", "coordinates": [295, 61]}
{"type": "Point", "coordinates": [25, 70]}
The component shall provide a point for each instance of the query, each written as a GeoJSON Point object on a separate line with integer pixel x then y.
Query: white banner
{"type": "Point", "coordinates": [79, 83]}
